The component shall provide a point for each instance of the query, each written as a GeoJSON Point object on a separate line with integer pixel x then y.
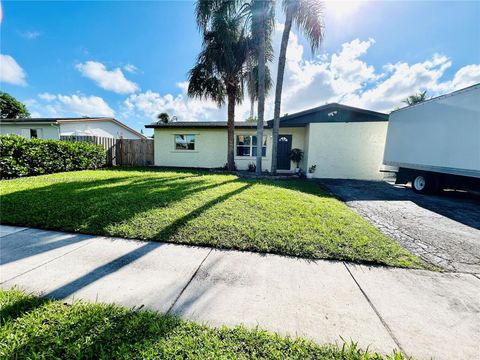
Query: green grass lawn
{"type": "Point", "coordinates": [290, 217]}
{"type": "Point", "coordinates": [35, 328]}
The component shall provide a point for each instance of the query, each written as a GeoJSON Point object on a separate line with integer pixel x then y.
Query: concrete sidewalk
{"type": "Point", "coordinates": [424, 314]}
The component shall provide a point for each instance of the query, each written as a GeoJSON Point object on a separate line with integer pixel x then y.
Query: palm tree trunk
{"type": "Point", "coordinates": [261, 90]}
{"type": "Point", "coordinates": [278, 89]}
{"type": "Point", "coordinates": [231, 131]}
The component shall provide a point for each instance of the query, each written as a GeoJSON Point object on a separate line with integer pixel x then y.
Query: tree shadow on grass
{"type": "Point", "coordinates": [120, 262]}
{"type": "Point", "coordinates": [92, 206]}
{"type": "Point", "coordinates": [88, 331]}
{"type": "Point", "coordinates": [22, 304]}
{"type": "Point", "coordinates": [166, 233]}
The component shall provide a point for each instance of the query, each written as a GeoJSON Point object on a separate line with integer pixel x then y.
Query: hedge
{"type": "Point", "coordinates": [27, 157]}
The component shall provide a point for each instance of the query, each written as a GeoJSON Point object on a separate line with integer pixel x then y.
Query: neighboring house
{"type": "Point", "coordinates": [342, 141]}
{"type": "Point", "coordinates": [53, 128]}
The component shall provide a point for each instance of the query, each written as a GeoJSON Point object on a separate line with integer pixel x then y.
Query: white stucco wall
{"type": "Point", "coordinates": [96, 128]}
{"type": "Point", "coordinates": [211, 147]}
{"type": "Point", "coordinates": [347, 150]}
{"type": "Point", "coordinates": [45, 131]}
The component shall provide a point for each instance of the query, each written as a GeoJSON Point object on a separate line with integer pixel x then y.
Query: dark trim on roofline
{"type": "Point", "coordinates": [331, 106]}
{"type": "Point", "coordinates": [201, 124]}
{"type": "Point", "coordinates": [330, 113]}
{"type": "Point", "coordinates": [28, 121]}
{"type": "Point", "coordinates": [57, 119]}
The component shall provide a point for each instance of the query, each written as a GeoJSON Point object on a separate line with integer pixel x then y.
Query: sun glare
{"type": "Point", "coordinates": [338, 9]}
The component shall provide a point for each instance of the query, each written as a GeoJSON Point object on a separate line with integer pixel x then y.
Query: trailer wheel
{"type": "Point", "coordinates": [424, 184]}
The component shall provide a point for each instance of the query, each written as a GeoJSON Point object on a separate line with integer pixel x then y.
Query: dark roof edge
{"type": "Point", "coordinates": [332, 105]}
{"type": "Point", "coordinates": [60, 118]}
{"type": "Point", "coordinates": [220, 124]}
{"type": "Point", "coordinates": [201, 124]}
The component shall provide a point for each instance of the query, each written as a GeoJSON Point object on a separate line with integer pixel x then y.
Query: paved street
{"type": "Point", "coordinates": [422, 313]}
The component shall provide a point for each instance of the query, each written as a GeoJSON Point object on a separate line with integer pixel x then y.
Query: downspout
{"type": "Point", "coordinates": [57, 125]}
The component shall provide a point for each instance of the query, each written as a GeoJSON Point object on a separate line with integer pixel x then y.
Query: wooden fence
{"type": "Point", "coordinates": [129, 152]}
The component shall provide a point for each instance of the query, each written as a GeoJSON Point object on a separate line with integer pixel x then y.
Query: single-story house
{"type": "Point", "coordinates": [53, 128]}
{"type": "Point", "coordinates": [342, 141]}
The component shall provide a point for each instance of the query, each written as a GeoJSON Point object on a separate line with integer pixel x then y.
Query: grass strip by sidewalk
{"type": "Point", "coordinates": [31, 327]}
{"type": "Point", "coordinates": [287, 217]}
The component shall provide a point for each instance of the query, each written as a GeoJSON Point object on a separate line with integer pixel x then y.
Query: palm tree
{"type": "Point", "coordinates": [252, 85]}
{"type": "Point", "coordinates": [307, 16]}
{"type": "Point", "coordinates": [220, 68]}
{"type": "Point", "coordinates": [262, 18]}
{"type": "Point", "coordinates": [416, 98]}
{"type": "Point", "coordinates": [165, 118]}
{"type": "Point", "coordinates": [257, 17]}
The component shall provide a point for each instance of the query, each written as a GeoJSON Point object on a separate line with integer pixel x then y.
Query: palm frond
{"type": "Point", "coordinates": [308, 18]}
{"type": "Point", "coordinates": [203, 83]}
{"type": "Point", "coordinates": [252, 82]}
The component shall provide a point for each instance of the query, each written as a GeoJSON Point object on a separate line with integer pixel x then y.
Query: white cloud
{"type": "Point", "coordinates": [130, 68]}
{"type": "Point", "coordinates": [70, 105]}
{"type": "Point", "coordinates": [466, 76]}
{"type": "Point", "coordinates": [11, 72]}
{"type": "Point", "coordinates": [149, 104]}
{"type": "Point", "coordinates": [343, 76]}
{"type": "Point", "coordinates": [86, 105]}
{"type": "Point", "coordinates": [30, 35]}
{"type": "Point", "coordinates": [113, 80]}
{"type": "Point", "coordinates": [47, 96]}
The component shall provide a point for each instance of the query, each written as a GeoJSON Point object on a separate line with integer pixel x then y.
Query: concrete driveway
{"type": "Point", "coordinates": [444, 230]}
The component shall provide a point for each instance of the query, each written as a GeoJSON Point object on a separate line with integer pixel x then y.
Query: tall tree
{"type": "Point", "coordinates": [252, 85]}
{"type": "Point", "coordinates": [256, 19]}
{"type": "Point", "coordinates": [307, 16]}
{"type": "Point", "coordinates": [416, 98]}
{"type": "Point", "coordinates": [11, 108]}
{"type": "Point", "coordinates": [262, 24]}
{"type": "Point", "coordinates": [220, 69]}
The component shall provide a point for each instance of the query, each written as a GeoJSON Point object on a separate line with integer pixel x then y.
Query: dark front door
{"type": "Point", "coordinates": [283, 152]}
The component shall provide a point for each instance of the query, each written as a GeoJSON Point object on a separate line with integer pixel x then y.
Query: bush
{"type": "Point", "coordinates": [27, 157]}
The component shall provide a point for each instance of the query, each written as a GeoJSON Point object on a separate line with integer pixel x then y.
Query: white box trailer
{"type": "Point", "coordinates": [436, 143]}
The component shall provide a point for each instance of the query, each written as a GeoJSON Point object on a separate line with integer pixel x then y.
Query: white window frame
{"type": "Point", "coordinates": [250, 146]}
{"type": "Point", "coordinates": [27, 133]}
{"type": "Point", "coordinates": [185, 142]}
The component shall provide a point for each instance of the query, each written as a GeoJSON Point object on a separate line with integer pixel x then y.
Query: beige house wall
{"type": "Point", "coordinates": [211, 147]}
{"type": "Point", "coordinates": [347, 150]}
{"type": "Point", "coordinates": [340, 150]}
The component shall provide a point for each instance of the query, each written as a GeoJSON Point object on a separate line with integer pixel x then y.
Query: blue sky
{"type": "Point", "coordinates": [130, 59]}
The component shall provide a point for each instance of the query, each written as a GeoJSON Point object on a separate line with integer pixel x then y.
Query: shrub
{"type": "Point", "coordinates": [296, 155]}
{"type": "Point", "coordinates": [27, 157]}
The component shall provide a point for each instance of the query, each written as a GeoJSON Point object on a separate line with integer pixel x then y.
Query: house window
{"type": "Point", "coordinates": [32, 133]}
{"type": "Point", "coordinates": [247, 145]}
{"type": "Point", "coordinates": [184, 142]}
